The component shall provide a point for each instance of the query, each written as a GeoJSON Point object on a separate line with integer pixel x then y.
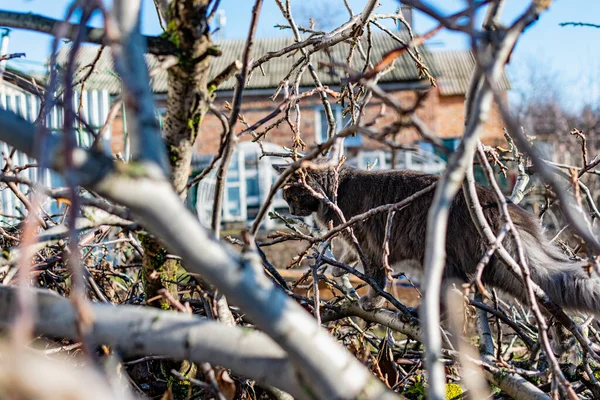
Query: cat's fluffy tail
{"type": "Point", "coordinates": [565, 281]}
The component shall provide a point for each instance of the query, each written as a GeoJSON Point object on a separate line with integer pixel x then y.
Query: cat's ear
{"type": "Point", "coordinates": [279, 167]}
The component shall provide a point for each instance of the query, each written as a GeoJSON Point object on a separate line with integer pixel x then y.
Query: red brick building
{"type": "Point", "coordinates": [442, 111]}
{"type": "Point", "coordinates": [250, 177]}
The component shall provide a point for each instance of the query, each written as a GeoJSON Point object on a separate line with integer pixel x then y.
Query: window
{"type": "Point", "coordinates": [27, 105]}
{"type": "Point", "coordinates": [451, 144]}
{"type": "Point", "coordinates": [234, 201]}
{"type": "Point", "coordinates": [249, 180]}
{"type": "Point", "coordinates": [252, 178]}
{"type": "Point", "coordinates": [341, 122]}
{"type": "Point", "coordinates": [426, 147]}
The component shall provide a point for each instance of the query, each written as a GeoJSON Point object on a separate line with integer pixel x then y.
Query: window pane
{"type": "Point", "coordinates": [233, 201]}
{"type": "Point", "coordinates": [451, 143]}
{"type": "Point", "coordinates": [252, 188]}
{"type": "Point", "coordinates": [351, 141]}
{"type": "Point", "coordinates": [233, 163]}
{"type": "Point", "coordinates": [252, 178]}
{"type": "Point", "coordinates": [233, 173]}
{"type": "Point", "coordinates": [426, 147]}
{"type": "Point", "coordinates": [322, 136]}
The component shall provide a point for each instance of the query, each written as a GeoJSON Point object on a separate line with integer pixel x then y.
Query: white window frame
{"type": "Point", "coordinates": [337, 110]}
{"type": "Point", "coordinates": [319, 126]}
{"type": "Point", "coordinates": [278, 202]}
{"type": "Point", "coordinates": [337, 113]}
{"type": "Point", "coordinates": [250, 173]}
{"type": "Point", "coordinates": [240, 171]}
{"type": "Point", "coordinates": [266, 177]}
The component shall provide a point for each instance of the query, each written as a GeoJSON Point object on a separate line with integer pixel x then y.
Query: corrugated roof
{"type": "Point", "coordinates": [452, 68]}
{"type": "Point", "coordinates": [455, 68]}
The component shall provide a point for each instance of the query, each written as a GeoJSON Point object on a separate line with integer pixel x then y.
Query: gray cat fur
{"type": "Point", "coordinates": [564, 280]}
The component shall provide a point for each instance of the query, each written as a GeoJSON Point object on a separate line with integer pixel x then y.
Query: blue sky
{"type": "Point", "coordinates": [568, 55]}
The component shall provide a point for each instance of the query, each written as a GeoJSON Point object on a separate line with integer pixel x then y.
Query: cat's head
{"type": "Point", "coordinates": [301, 200]}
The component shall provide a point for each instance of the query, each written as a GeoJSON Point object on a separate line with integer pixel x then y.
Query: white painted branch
{"type": "Point", "coordinates": [128, 51]}
{"type": "Point", "coordinates": [435, 251]}
{"type": "Point", "coordinates": [140, 331]}
{"type": "Point", "coordinates": [513, 384]}
{"type": "Point", "coordinates": [448, 186]}
{"type": "Point", "coordinates": [516, 386]}
{"type": "Point", "coordinates": [471, 374]}
{"type": "Point", "coordinates": [27, 375]}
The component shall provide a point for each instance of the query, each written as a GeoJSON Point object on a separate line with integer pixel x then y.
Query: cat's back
{"type": "Point", "coordinates": [373, 188]}
{"type": "Point", "coordinates": [402, 179]}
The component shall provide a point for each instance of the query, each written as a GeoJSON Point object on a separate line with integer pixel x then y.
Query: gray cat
{"type": "Point", "coordinates": [359, 191]}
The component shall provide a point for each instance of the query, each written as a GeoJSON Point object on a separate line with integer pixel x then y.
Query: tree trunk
{"type": "Point", "coordinates": [187, 102]}
{"type": "Point", "coordinates": [158, 272]}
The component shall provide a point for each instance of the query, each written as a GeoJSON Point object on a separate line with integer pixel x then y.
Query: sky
{"type": "Point", "coordinates": [567, 56]}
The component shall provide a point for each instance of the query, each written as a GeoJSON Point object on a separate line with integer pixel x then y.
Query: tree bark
{"type": "Point", "coordinates": [187, 103]}
{"type": "Point", "coordinates": [187, 97]}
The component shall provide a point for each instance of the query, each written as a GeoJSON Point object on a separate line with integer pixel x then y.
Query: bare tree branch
{"type": "Point", "coordinates": [39, 23]}
{"type": "Point", "coordinates": [128, 53]}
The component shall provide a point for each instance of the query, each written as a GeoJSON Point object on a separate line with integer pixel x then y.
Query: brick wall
{"type": "Point", "coordinates": [116, 142]}
{"type": "Point", "coordinates": [450, 120]}
{"type": "Point", "coordinates": [443, 114]}
{"type": "Point", "coordinates": [255, 108]}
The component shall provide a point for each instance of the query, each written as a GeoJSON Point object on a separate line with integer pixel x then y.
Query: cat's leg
{"type": "Point", "coordinates": [372, 299]}
{"type": "Point", "coordinates": [341, 277]}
